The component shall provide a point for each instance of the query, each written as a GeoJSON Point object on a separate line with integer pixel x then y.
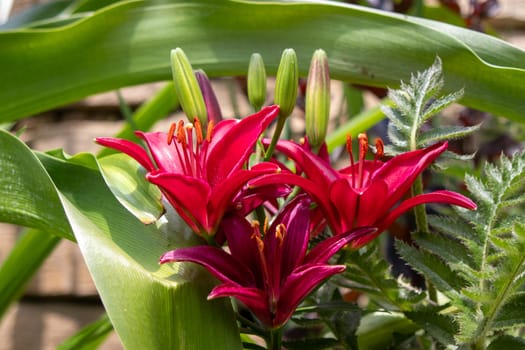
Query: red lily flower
{"type": "Point", "coordinates": [270, 274]}
{"type": "Point", "coordinates": [199, 175]}
{"type": "Point", "coordinates": [366, 192]}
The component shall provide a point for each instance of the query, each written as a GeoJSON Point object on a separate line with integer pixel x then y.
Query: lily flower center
{"type": "Point", "coordinates": [271, 273]}
{"type": "Point", "coordinates": [360, 177]}
{"type": "Point", "coordinates": [191, 150]}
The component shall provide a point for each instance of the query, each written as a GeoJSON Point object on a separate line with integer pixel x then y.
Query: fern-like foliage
{"type": "Point", "coordinates": [368, 272]}
{"type": "Point", "coordinates": [477, 258]}
{"type": "Point", "coordinates": [414, 105]}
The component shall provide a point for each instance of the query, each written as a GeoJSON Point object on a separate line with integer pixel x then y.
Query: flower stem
{"type": "Point", "coordinates": [275, 138]}
{"type": "Point", "coordinates": [419, 211]}
{"type": "Point", "coordinates": [422, 226]}
{"type": "Point", "coordinates": [275, 339]}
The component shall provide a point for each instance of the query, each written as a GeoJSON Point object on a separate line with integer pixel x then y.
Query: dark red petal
{"type": "Point", "coordinates": [295, 217]}
{"type": "Point", "coordinates": [224, 192]}
{"type": "Point", "coordinates": [222, 265]}
{"type": "Point", "coordinates": [319, 194]}
{"type": "Point", "coordinates": [398, 174]}
{"type": "Point", "coordinates": [190, 194]}
{"type": "Point", "coordinates": [255, 299]}
{"type": "Point", "coordinates": [165, 155]}
{"type": "Point", "coordinates": [229, 149]}
{"type": "Point", "coordinates": [242, 246]}
{"type": "Point", "coordinates": [443, 197]}
{"type": "Point", "coordinates": [346, 201]}
{"type": "Point", "coordinates": [131, 149]}
{"type": "Point", "coordinates": [316, 168]}
{"type": "Point", "coordinates": [327, 248]}
{"type": "Point", "coordinates": [299, 284]}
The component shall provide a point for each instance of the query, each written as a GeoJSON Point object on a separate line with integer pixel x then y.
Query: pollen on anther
{"type": "Point", "coordinates": [363, 145]}
{"type": "Point", "coordinates": [171, 133]}
{"type": "Point", "coordinates": [198, 130]}
{"type": "Point", "coordinates": [209, 130]}
{"type": "Point", "coordinates": [380, 148]}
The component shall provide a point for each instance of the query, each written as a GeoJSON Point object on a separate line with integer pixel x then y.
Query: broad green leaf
{"type": "Point", "coordinates": [31, 249]}
{"type": "Point", "coordinates": [378, 329]}
{"type": "Point", "coordinates": [512, 313]}
{"type": "Point", "coordinates": [128, 43]}
{"type": "Point", "coordinates": [90, 337]}
{"type": "Point", "coordinates": [150, 306]}
{"type": "Point", "coordinates": [27, 195]}
{"type": "Point", "coordinates": [126, 179]}
{"type": "Point", "coordinates": [507, 342]}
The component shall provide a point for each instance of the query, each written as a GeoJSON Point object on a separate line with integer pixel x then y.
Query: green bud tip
{"type": "Point", "coordinates": [286, 83]}
{"type": "Point", "coordinates": [317, 109]}
{"type": "Point", "coordinates": [256, 81]}
{"type": "Point", "coordinates": [187, 87]}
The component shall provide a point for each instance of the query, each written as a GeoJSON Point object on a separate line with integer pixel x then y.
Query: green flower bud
{"type": "Point", "coordinates": [286, 83]}
{"type": "Point", "coordinates": [317, 110]}
{"type": "Point", "coordinates": [187, 88]}
{"type": "Point", "coordinates": [256, 81]}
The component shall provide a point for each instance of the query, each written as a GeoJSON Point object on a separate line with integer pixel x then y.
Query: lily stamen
{"type": "Point", "coordinates": [351, 154]}
{"type": "Point", "coordinates": [363, 150]}
{"type": "Point", "coordinates": [171, 133]}
{"type": "Point", "coordinates": [380, 149]}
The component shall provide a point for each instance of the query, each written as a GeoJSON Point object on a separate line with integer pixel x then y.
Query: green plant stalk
{"type": "Point", "coordinates": [275, 138]}
{"type": "Point", "coordinates": [32, 248]}
{"type": "Point", "coordinates": [275, 339]}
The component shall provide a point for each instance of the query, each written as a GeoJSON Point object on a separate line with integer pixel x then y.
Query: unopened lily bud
{"type": "Point", "coordinates": [256, 81]}
{"type": "Point", "coordinates": [210, 100]}
{"type": "Point", "coordinates": [286, 83]}
{"type": "Point", "coordinates": [187, 88]}
{"type": "Point", "coordinates": [317, 110]}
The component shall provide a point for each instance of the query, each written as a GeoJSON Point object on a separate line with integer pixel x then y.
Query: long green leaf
{"type": "Point", "coordinates": [27, 195]}
{"type": "Point", "coordinates": [89, 337]}
{"type": "Point", "coordinates": [31, 249]}
{"type": "Point", "coordinates": [129, 42]}
{"type": "Point", "coordinates": [150, 306]}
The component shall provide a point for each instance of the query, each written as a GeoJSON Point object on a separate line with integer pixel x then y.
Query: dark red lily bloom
{"type": "Point", "coordinates": [200, 175]}
{"type": "Point", "coordinates": [366, 192]}
{"type": "Point", "coordinates": [270, 274]}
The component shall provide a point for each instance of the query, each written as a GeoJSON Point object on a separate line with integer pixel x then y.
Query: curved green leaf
{"type": "Point", "coordinates": [150, 306]}
{"type": "Point", "coordinates": [129, 42]}
{"type": "Point", "coordinates": [126, 179]}
{"type": "Point", "coordinates": [27, 195]}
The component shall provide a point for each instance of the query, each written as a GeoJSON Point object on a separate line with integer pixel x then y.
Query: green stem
{"type": "Point", "coordinates": [275, 339]}
{"type": "Point", "coordinates": [422, 226]}
{"type": "Point", "coordinates": [419, 211]}
{"type": "Point", "coordinates": [275, 138]}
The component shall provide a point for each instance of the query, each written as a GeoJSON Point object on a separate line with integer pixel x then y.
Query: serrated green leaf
{"type": "Point", "coordinates": [126, 179]}
{"type": "Point", "coordinates": [441, 103]}
{"type": "Point", "coordinates": [450, 250]}
{"type": "Point", "coordinates": [479, 190]}
{"type": "Point", "coordinates": [441, 327]}
{"type": "Point", "coordinates": [512, 313]}
{"type": "Point", "coordinates": [431, 267]}
{"type": "Point", "coordinates": [444, 133]}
